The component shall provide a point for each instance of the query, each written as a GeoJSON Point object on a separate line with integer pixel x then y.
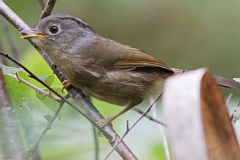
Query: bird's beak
{"type": "Point", "coordinates": [33, 34]}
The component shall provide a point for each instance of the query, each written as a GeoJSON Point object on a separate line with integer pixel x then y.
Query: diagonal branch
{"type": "Point", "coordinates": [149, 117]}
{"type": "Point", "coordinates": [75, 93]}
{"type": "Point", "coordinates": [48, 8]}
{"type": "Point", "coordinates": [39, 90]}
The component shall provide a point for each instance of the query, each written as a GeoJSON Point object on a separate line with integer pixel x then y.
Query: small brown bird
{"type": "Point", "coordinates": [100, 67]}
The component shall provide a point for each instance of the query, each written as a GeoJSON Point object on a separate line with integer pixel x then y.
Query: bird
{"type": "Point", "coordinates": [102, 68]}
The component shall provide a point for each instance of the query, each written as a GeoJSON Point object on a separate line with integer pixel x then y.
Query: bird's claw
{"type": "Point", "coordinates": [66, 84]}
{"type": "Point", "coordinates": [104, 122]}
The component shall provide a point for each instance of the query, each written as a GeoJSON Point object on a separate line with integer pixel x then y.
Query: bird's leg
{"type": "Point", "coordinates": [66, 84]}
{"type": "Point", "coordinates": [108, 121]}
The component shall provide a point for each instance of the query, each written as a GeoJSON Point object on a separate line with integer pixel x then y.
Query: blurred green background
{"type": "Point", "coordinates": [185, 34]}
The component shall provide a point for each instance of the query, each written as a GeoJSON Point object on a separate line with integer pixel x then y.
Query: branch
{"type": "Point", "coordinates": [48, 8]}
{"type": "Point", "coordinates": [149, 117]}
{"type": "Point", "coordinates": [39, 90]}
{"type": "Point", "coordinates": [75, 93]}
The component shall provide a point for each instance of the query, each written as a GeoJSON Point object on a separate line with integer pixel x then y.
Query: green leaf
{"type": "Point", "coordinates": [7, 69]}
{"type": "Point", "coordinates": [48, 79]}
{"type": "Point", "coordinates": [18, 91]}
{"type": "Point", "coordinates": [23, 75]}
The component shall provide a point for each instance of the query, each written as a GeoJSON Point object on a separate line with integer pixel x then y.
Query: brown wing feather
{"type": "Point", "coordinates": [133, 58]}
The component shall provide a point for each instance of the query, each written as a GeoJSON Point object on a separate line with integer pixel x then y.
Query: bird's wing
{"type": "Point", "coordinates": [132, 58]}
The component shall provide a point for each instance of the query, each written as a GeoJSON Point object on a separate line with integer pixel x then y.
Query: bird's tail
{"type": "Point", "coordinates": [224, 82]}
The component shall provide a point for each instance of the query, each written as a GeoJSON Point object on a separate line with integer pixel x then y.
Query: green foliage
{"type": "Point", "coordinates": [49, 79]}
{"type": "Point", "coordinates": [7, 69]}
{"type": "Point", "coordinates": [20, 93]}
{"type": "Point", "coordinates": [52, 105]}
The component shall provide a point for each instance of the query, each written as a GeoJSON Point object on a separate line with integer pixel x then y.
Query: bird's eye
{"type": "Point", "coordinates": [54, 29]}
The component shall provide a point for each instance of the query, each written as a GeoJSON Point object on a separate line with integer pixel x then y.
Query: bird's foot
{"type": "Point", "coordinates": [66, 84]}
{"type": "Point", "coordinates": [104, 122]}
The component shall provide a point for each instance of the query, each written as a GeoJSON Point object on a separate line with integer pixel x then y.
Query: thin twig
{"type": "Point", "coordinates": [39, 90]}
{"type": "Point", "coordinates": [149, 117]}
{"type": "Point", "coordinates": [48, 8]}
{"type": "Point", "coordinates": [130, 128]}
{"type": "Point", "coordinates": [35, 146]}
